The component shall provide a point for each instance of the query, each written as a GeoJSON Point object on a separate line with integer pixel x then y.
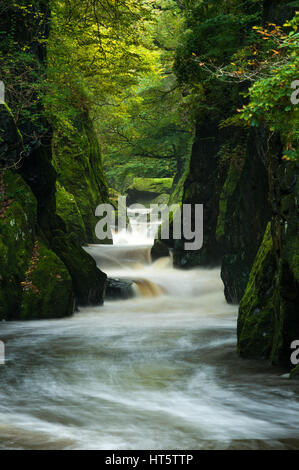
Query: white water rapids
{"type": "Point", "coordinates": [157, 371]}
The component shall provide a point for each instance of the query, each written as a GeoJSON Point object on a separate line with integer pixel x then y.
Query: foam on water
{"type": "Point", "coordinates": [146, 373]}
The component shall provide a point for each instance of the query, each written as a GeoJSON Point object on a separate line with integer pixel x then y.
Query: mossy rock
{"type": "Point", "coordinates": [161, 199]}
{"type": "Point", "coordinates": [77, 161]}
{"type": "Point", "coordinates": [51, 294]}
{"type": "Point", "coordinates": [18, 209]}
{"type": "Point", "coordinates": [68, 210]}
{"type": "Point", "coordinates": [235, 272]}
{"type": "Point", "coordinates": [177, 191]}
{"type": "Point", "coordinates": [285, 234]}
{"type": "Point", "coordinates": [18, 228]}
{"type": "Point", "coordinates": [121, 173]}
{"type": "Point", "coordinates": [146, 190]}
{"type": "Point", "coordinates": [256, 320]}
{"type": "Point", "coordinates": [89, 282]}
{"type": "Point", "coordinates": [17, 190]}
{"type": "Point", "coordinates": [152, 185]}
{"type": "Point", "coordinates": [113, 194]}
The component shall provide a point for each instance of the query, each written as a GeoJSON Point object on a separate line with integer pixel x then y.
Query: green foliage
{"type": "Point", "coordinates": [111, 60]}
{"type": "Point", "coordinates": [146, 130]}
{"type": "Point", "coordinates": [214, 32]}
{"type": "Point", "coordinates": [225, 51]}
{"type": "Point", "coordinates": [94, 50]}
{"type": "Point", "coordinates": [270, 96]}
{"type": "Point", "coordinates": [22, 67]}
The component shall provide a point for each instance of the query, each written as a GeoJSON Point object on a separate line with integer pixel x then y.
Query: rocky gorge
{"type": "Point", "coordinates": [168, 103]}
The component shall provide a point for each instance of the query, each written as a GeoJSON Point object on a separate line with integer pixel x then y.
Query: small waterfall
{"type": "Point", "coordinates": [156, 371]}
{"type": "Point", "coordinates": [148, 288]}
{"type": "Point", "coordinates": [129, 256]}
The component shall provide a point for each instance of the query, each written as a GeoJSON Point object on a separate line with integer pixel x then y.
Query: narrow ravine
{"type": "Point", "coordinates": [159, 370]}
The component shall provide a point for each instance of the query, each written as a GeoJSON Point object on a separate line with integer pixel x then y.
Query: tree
{"type": "Point", "coordinates": [145, 130]}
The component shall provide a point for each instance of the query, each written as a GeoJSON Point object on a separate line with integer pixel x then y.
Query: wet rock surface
{"type": "Point", "coordinates": [118, 289]}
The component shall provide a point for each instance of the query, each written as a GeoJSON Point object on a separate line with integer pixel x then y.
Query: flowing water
{"type": "Point", "coordinates": [156, 371]}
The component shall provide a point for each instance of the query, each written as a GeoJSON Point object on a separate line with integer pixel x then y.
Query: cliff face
{"type": "Point", "coordinates": [243, 212]}
{"type": "Point", "coordinates": [43, 269]}
{"type": "Point", "coordinates": [81, 183]}
{"type": "Point", "coordinates": [250, 198]}
{"type": "Point", "coordinates": [228, 175]}
{"type": "Point", "coordinates": [203, 186]}
{"type": "Point", "coordinates": [268, 315]}
{"type": "Point", "coordinates": [25, 260]}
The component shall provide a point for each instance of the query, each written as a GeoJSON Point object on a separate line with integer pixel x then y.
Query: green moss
{"type": "Point", "coordinates": [17, 231]}
{"type": "Point", "coordinates": [161, 199]}
{"type": "Point", "coordinates": [78, 163]}
{"type": "Point", "coordinates": [113, 194]}
{"type": "Point", "coordinates": [257, 308]}
{"type": "Point", "coordinates": [178, 190]}
{"type": "Point", "coordinates": [285, 234]}
{"type": "Point", "coordinates": [152, 185]}
{"type": "Point", "coordinates": [89, 283]}
{"type": "Point", "coordinates": [18, 190]}
{"type": "Point", "coordinates": [51, 294]}
{"type": "Point", "coordinates": [68, 210]}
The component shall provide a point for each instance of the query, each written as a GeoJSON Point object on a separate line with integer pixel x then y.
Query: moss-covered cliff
{"type": "Point", "coordinates": [43, 281]}
{"type": "Point", "coordinates": [77, 161]}
{"type": "Point", "coordinates": [256, 315]}
{"type": "Point", "coordinates": [228, 175]}
{"type": "Point", "coordinates": [238, 171]}
{"type": "Point", "coordinates": [32, 277]}
{"type": "Point", "coordinates": [44, 271]}
{"type": "Point", "coordinates": [268, 315]}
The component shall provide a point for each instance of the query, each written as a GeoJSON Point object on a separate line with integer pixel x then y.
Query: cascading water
{"type": "Point", "coordinates": [156, 371]}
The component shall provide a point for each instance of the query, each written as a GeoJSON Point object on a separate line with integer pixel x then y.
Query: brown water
{"type": "Point", "coordinates": [156, 371]}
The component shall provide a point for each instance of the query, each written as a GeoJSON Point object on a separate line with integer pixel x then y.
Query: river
{"type": "Point", "coordinates": [159, 370]}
